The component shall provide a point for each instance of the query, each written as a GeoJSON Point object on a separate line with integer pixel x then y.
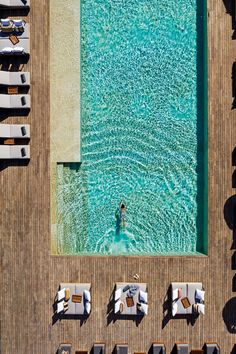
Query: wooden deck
{"type": "Point", "coordinates": [30, 276]}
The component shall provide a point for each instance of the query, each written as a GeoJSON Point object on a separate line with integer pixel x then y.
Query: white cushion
{"type": "Point", "coordinates": [5, 21]}
{"type": "Point", "coordinates": [17, 49]}
{"type": "Point", "coordinates": [200, 294]}
{"type": "Point", "coordinates": [143, 296]}
{"type": "Point", "coordinates": [117, 294]}
{"type": "Point", "coordinates": [143, 308]}
{"type": "Point", "coordinates": [174, 308]}
{"type": "Point", "coordinates": [61, 294]}
{"type": "Point", "coordinates": [60, 306]}
{"type": "Point", "coordinates": [88, 307]}
{"type": "Point", "coordinates": [175, 294]}
{"type": "Point", "coordinates": [117, 306]}
{"type": "Point", "coordinates": [87, 295]}
{"type": "Point", "coordinates": [7, 50]}
{"type": "Point", "coordinates": [201, 308]}
{"type": "Point", "coordinates": [18, 22]}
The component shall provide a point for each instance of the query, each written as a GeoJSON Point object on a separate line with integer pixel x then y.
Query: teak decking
{"type": "Point", "coordinates": [30, 276]}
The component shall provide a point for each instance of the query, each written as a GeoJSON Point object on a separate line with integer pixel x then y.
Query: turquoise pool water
{"type": "Point", "coordinates": [143, 128]}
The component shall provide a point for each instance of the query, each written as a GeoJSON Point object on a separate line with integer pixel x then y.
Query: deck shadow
{"type": "Point", "coordinates": [15, 60]}
{"type": "Point", "coordinates": [234, 283]}
{"type": "Point", "coordinates": [24, 11]}
{"type": "Point", "coordinates": [10, 163]}
{"type": "Point", "coordinates": [6, 113]}
{"type": "Point", "coordinates": [234, 157]}
{"type": "Point", "coordinates": [230, 9]}
{"type": "Point", "coordinates": [167, 316]}
{"type": "Point", "coordinates": [58, 317]}
{"type": "Point", "coordinates": [233, 261]}
{"type": "Point", "coordinates": [229, 315]}
{"type": "Point", "coordinates": [234, 179]}
{"type": "Point", "coordinates": [229, 216]}
{"type": "Point", "coordinates": [233, 77]}
{"type": "Point", "coordinates": [233, 351]}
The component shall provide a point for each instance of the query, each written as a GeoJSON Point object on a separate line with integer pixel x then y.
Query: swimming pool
{"type": "Point", "coordinates": [143, 129]}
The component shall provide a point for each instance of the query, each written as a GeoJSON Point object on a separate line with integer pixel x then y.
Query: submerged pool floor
{"type": "Point", "coordinates": [142, 131]}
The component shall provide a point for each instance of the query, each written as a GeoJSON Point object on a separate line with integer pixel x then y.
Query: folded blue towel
{"type": "Point", "coordinates": [133, 289]}
{"type": "Point", "coordinates": [126, 288]}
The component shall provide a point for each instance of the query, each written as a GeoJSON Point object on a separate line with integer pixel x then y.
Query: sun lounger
{"type": "Point", "coordinates": [7, 48]}
{"type": "Point", "coordinates": [211, 348]}
{"type": "Point", "coordinates": [20, 32]}
{"type": "Point", "coordinates": [8, 152]}
{"type": "Point", "coordinates": [15, 101]}
{"type": "Point", "coordinates": [14, 3]}
{"type": "Point", "coordinates": [121, 349]}
{"type": "Point", "coordinates": [14, 131]}
{"type": "Point", "coordinates": [158, 348]}
{"type": "Point", "coordinates": [18, 78]}
{"type": "Point", "coordinates": [81, 307]}
{"type": "Point", "coordinates": [98, 348]}
{"type": "Point", "coordinates": [64, 348]}
{"type": "Point", "coordinates": [182, 348]}
{"type": "Point", "coordinates": [184, 298]}
{"type": "Point", "coordinates": [135, 294]}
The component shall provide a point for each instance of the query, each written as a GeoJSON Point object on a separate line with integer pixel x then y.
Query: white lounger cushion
{"type": "Point", "coordinates": [5, 21]}
{"type": "Point", "coordinates": [143, 308]}
{"type": "Point", "coordinates": [14, 101]}
{"type": "Point", "coordinates": [200, 294]}
{"type": "Point", "coordinates": [117, 306]}
{"type": "Point", "coordinates": [143, 296]}
{"type": "Point", "coordinates": [118, 294]}
{"type": "Point", "coordinates": [61, 294]}
{"type": "Point", "coordinates": [175, 294]}
{"type": "Point", "coordinates": [87, 295]}
{"type": "Point", "coordinates": [19, 23]}
{"type": "Point", "coordinates": [201, 309]}
{"type": "Point", "coordinates": [174, 308]}
{"type": "Point", "coordinates": [14, 152]}
{"type": "Point", "coordinates": [14, 78]}
{"type": "Point", "coordinates": [87, 307]}
{"type": "Point", "coordinates": [7, 50]}
{"type": "Point", "coordinates": [60, 306]}
{"type": "Point", "coordinates": [14, 130]}
{"type": "Point", "coordinates": [15, 3]}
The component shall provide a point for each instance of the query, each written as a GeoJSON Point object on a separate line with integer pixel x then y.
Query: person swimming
{"type": "Point", "coordinates": [122, 214]}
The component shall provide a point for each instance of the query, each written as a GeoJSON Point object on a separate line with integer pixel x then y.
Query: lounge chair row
{"type": "Point", "coordinates": [15, 3]}
{"type": "Point", "coordinates": [129, 299]}
{"type": "Point", "coordinates": [157, 348]}
{"type": "Point", "coordinates": [208, 348]}
{"type": "Point", "coordinates": [9, 45]}
{"type": "Point", "coordinates": [132, 299]}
